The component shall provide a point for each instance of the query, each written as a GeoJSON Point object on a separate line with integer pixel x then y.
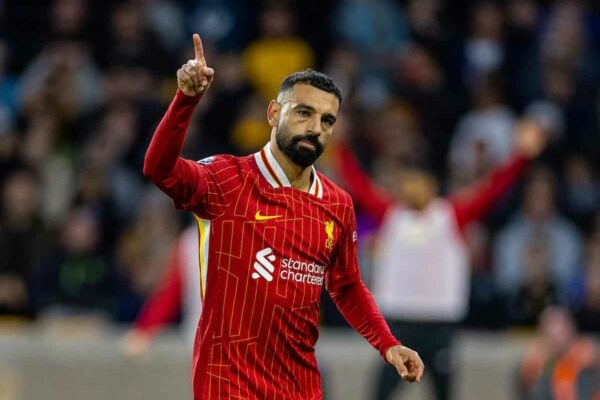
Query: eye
{"type": "Point", "coordinates": [328, 122]}
{"type": "Point", "coordinates": [304, 113]}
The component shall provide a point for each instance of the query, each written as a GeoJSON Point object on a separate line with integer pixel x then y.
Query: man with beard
{"type": "Point", "coordinates": [272, 233]}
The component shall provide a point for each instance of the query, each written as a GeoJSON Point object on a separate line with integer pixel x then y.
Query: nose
{"type": "Point", "coordinates": [314, 125]}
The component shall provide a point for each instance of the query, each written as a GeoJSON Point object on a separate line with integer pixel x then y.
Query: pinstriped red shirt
{"type": "Point", "coordinates": [267, 250]}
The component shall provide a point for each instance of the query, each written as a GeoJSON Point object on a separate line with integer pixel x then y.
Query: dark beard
{"type": "Point", "coordinates": [300, 156]}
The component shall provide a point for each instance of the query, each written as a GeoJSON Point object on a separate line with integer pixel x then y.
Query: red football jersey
{"type": "Point", "coordinates": [266, 252]}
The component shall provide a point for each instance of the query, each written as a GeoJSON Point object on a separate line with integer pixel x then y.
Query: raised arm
{"type": "Point", "coordinates": [474, 202]}
{"type": "Point", "coordinates": [366, 195]}
{"type": "Point", "coordinates": [163, 165]}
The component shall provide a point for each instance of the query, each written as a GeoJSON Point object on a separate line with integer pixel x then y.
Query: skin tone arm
{"type": "Point", "coordinates": [407, 362]}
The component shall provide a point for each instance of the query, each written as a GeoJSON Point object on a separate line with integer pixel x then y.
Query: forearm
{"type": "Point", "coordinates": [366, 195]}
{"type": "Point", "coordinates": [162, 156]}
{"type": "Point", "coordinates": [474, 202]}
{"type": "Point", "coordinates": [356, 304]}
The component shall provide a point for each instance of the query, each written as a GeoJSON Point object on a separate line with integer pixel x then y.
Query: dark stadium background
{"type": "Point", "coordinates": [84, 238]}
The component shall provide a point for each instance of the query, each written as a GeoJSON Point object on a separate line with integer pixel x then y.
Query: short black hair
{"type": "Point", "coordinates": [312, 78]}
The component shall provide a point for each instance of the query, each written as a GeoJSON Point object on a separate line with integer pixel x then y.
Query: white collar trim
{"type": "Point", "coordinates": [273, 173]}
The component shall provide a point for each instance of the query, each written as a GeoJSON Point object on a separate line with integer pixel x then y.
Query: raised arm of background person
{"type": "Point", "coordinates": [374, 200]}
{"type": "Point", "coordinates": [164, 304]}
{"type": "Point", "coordinates": [163, 165]}
{"type": "Point", "coordinates": [357, 305]}
{"type": "Point", "coordinates": [158, 310]}
{"type": "Point", "coordinates": [475, 201]}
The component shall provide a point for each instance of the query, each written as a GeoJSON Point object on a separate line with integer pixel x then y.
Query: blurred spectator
{"type": "Point", "coordinates": [110, 154]}
{"type": "Point", "coordinates": [582, 191]}
{"type": "Point", "coordinates": [76, 277]}
{"type": "Point", "coordinates": [9, 145]}
{"type": "Point", "coordinates": [424, 22]}
{"type": "Point", "coordinates": [521, 64]}
{"type": "Point", "coordinates": [69, 19]}
{"type": "Point", "coordinates": [538, 290]}
{"type": "Point", "coordinates": [376, 29]}
{"type": "Point", "coordinates": [277, 52]}
{"type": "Point", "coordinates": [568, 68]}
{"type": "Point", "coordinates": [484, 48]}
{"type": "Point", "coordinates": [143, 250]}
{"type": "Point", "coordinates": [483, 137]}
{"type": "Point", "coordinates": [64, 79]}
{"type": "Point", "coordinates": [8, 85]}
{"type": "Point", "coordinates": [567, 39]}
{"type": "Point", "coordinates": [485, 309]}
{"type": "Point", "coordinates": [420, 81]}
{"type": "Point", "coordinates": [587, 287]}
{"type": "Point", "coordinates": [396, 137]}
{"type": "Point", "coordinates": [21, 239]}
{"type": "Point", "coordinates": [164, 18]}
{"type": "Point", "coordinates": [343, 65]}
{"type": "Point", "coordinates": [421, 268]}
{"type": "Point", "coordinates": [228, 24]}
{"type": "Point", "coordinates": [131, 44]}
{"type": "Point", "coordinates": [538, 219]}
{"type": "Point", "coordinates": [177, 293]}
{"type": "Point", "coordinates": [559, 363]}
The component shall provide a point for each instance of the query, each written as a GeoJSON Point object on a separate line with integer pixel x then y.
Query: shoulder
{"type": "Point", "coordinates": [221, 162]}
{"type": "Point", "coordinates": [218, 159]}
{"type": "Point", "coordinates": [333, 193]}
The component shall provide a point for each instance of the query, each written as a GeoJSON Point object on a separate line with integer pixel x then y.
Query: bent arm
{"type": "Point", "coordinates": [474, 202]}
{"type": "Point", "coordinates": [352, 297]}
{"type": "Point", "coordinates": [366, 194]}
{"type": "Point", "coordinates": [175, 176]}
{"type": "Point", "coordinates": [357, 305]}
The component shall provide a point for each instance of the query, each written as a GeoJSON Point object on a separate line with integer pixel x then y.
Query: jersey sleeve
{"type": "Point", "coordinates": [345, 267]}
{"type": "Point", "coordinates": [201, 187]}
{"type": "Point", "coordinates": [367, 195]}
{"type": "Point", "coordinates": [219, 178]}
{"type": "Point", "coordinates": [352, 297]}
{"type": "Point", "coordinates": [474, 202]}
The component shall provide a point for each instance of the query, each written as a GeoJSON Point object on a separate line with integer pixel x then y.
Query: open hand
{"type": "Point", "coordinates": [530, 138]}
{"type": "Point", "coordinates": [135, 343]}
{"type": "Point", "coordinates": [195, 77]}
{"type": "Point", "coordinates": [407, 362]}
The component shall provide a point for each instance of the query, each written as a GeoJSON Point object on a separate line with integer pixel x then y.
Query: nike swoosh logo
{"type": "Point", "coordinates": [259, 217]}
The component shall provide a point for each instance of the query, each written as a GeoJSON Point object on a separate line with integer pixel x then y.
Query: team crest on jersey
{"type": "Point", "coordinates": [206, 161]}
{"type": "Point", "coordinates": [329, 227]}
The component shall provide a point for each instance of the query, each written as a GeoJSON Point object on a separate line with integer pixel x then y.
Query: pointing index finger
{"type": "Point", "coordinates": [198, 50]}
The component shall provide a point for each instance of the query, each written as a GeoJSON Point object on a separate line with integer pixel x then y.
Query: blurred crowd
{"type": "Point", "coordinates": [429, 83]}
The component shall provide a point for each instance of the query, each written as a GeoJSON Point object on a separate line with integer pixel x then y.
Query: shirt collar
{"type": "Point", "coordinates": [273, 173]}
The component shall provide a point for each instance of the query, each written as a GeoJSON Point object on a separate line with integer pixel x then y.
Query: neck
{"type": "Point", "coordinates": [298, 176]}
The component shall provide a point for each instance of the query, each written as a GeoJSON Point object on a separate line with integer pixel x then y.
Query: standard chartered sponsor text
{"type": "Point", "coordinates": [304, 272]}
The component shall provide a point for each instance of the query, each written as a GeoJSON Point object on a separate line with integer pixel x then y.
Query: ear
{"type": "Point", "coordinates": [273, 112]}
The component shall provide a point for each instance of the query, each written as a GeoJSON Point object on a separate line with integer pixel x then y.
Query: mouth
{"type": "Point", "coordinates": [307, 144]}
